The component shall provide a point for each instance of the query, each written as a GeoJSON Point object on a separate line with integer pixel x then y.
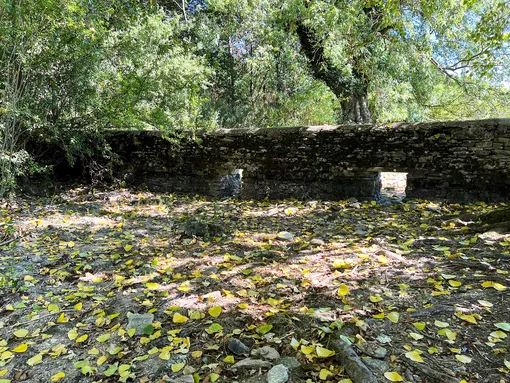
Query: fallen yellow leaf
{"type": "Point", "coordinates": [215, 311]}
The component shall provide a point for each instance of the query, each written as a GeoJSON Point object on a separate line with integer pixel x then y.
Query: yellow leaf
{"type": "Point", "coordinates": [393, 316]}
{"type": "Point", "coordinates": [463, 358]}
{"type": "Point", "coordinates": [324, 352]}
{"type": "Point", "coordinates": [35, 360]}
{"type": "Point", "coordinates": [62, 318]}
{"type": "Point", "coordinates": [152, 285]}
{"type": "Point", "coordinates": [178, 318]}
{"type": "Point", "coordinates": [58, 376]}
{"type": "Point", "coordinates": [341, 264]}
{"type": "Point", "coordinates": [178, 367]}
{"type": "Point", "coordinates": [441, 324]}
{"type": "Point", "coordinates": [82, 338]}
{"type": "Point", "coordinates": [103, 338]}
{"type": "Point", "coordinates": [195, 314]}
{"type": "Point", "coordinates": [72, 334]}
{"type": "Point", "coordinates": [419, 325]}
{"type": "Point", "coordinates": [323, 374]}
{"type": "Point", "coordinates": [124, 370]}
{"type": "Point", "coordinates": [343, 290]}
{"type": "Point", "coordinates": [454, 283]}
{"type": "Point", "coordinates": [498, 334]}
{"type": "Point", "coordinates": [448, 333]}
{"type": "Point", "coordinates": [414, 356]}
{"type": "Point", "coordinates": [229, 359]}
{"type": "Point", "coordinates": [53, 308]}
{"type": "Point", "coordinates": [383, 260]}
{"type": "Point", "coordinates": [21, 333]}
{"type": "Point", "coordinates": [197, 354]}
{"type": "Point", "coordinates": [78, 306]}
{"type": "Point", "coordinates": [3, 372]}
{"type": "Point", "coordinates": [495, 285]}
{"type": "Point", "coordinates": [307, 350]}
{"type": "Point", "coordinates": [131, 332]}
{"type": "Point", "coordinates": [294, 343]}
{"type": "Point", "coordinates": [379, 316]}
{"type": "Point", "coordinates": [21, 348]}
{"type": "Point", "coordinates": [101, 360]}
{"type": "Point", "coordinates": [213, 377]}
{"type": "Point", "coordinates": [243, 306]}
{"type": "Point", "coordinates": [215, 311]}
{"type": "Point", "coordinates": [485, 303]}
{"type": "Point", "coordinates": [70, 244]}
{"type": "Point", "coordinates": [375, 298]}
{"type": "Point", "coordinates": [184, 287]}
{"type": "Point", "coordinates": [393, 376]}
{"type": "Point", "coordinates": [415, 336]}
{"type": "Point", "coordinates": [468, 318]}
{"type": "Point", "coordinates": [165, 355]}
{"type": "Point", "coordinates": [128, 247]}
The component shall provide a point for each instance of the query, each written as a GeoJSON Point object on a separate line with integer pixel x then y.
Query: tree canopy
{"type": "Point", "coordinates": [71, 69]}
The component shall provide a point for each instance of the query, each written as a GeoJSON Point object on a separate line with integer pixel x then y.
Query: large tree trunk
{"type": "Point", "coordinates": [355, 108]}
{"type": "Point", "coordinates": [351, 91]}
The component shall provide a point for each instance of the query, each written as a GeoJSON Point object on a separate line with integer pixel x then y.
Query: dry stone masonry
{"type": "Point", "coordinates": [456, 161]}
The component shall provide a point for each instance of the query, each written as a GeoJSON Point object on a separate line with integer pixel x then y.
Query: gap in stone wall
{"type": "Point", "coordinates": [393, 185]}
{"type": "Point", "coordinates": [231, 184]}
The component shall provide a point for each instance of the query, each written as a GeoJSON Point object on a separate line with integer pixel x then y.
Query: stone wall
{"type": "Point", "coordinates": [455, 161]}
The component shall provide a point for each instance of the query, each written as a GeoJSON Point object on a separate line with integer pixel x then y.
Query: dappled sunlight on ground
{"type": "Point", "coordinates": [286, 274]}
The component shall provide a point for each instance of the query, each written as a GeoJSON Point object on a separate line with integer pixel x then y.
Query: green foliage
{"type": "Point", "coordinates": [407, 55]}
{"type": "Point", "coordinates": [72, 69]}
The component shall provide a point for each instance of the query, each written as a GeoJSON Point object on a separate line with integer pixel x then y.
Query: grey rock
{"type": "Point", "coordinates": [355, 205]}
{"type": "Point", "coordinates": [377, 366]}
{"type": "Point", "coordinates": [139, 322]}
{"type": "Point", "coordinates": [362, 230]}
{"type": "Point", "coordinates": [237, 347]}
{"type": "Point", "coordinates": [252, 363]}
{"type": "Point", "coordinates": [384, 339]}
{"type": "Point", "coordinates": [290, 362]}
{"type": "Point", "coordinates": [317, 242]}
{"type": "Point", "coordinates": [210, 270]}
{"type": "Point", "coordinates": [285, 235]}
{"type": "Point", "coordinates": [278, 374]}
{"type": "Point", "coordinates": [255, 379]}
{"type": "Point", "coordinates": [181, 379]}
{"type": "Point", "coordinates": [434, 208]}
{"type": "Point", "coordinates": [491, 236]}
{"type": "Point", "coordinates": [196, 228]}
{"type": "Point", "coordinates": [176, 358]}
{"type": "Point", "coordinates": [373, 350]}
{"type": "Point", "coordinates": [266, 353]}
{"type": "Point", "coordinates": [37, 259]}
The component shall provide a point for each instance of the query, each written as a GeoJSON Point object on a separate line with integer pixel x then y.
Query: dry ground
{"type": "Point", "coordinates": [412, 285]}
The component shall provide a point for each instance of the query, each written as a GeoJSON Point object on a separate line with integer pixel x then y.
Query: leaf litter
{"type": "Point", "coordinates": [123, 286]}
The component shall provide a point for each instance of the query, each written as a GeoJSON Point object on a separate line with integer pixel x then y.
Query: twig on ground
{"type": "Point", "coordinates": [42, 317]}
{"type": "Point", "coordinates": [9, 241]}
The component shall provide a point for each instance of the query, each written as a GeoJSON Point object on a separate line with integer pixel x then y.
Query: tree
{"type": "Point", "coordinates": [362, 51]}
{"type": "Point", "coordinates": [70, 70]}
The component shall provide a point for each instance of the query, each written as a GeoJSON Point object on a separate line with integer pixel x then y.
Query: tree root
{"type": "Point", "coordinates": [432, 373]}
{"type": "Point", "coordinates": [357, 371]}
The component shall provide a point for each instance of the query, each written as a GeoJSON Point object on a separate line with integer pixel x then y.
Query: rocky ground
{"type": "Point", "coordinates": [125, 286]}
